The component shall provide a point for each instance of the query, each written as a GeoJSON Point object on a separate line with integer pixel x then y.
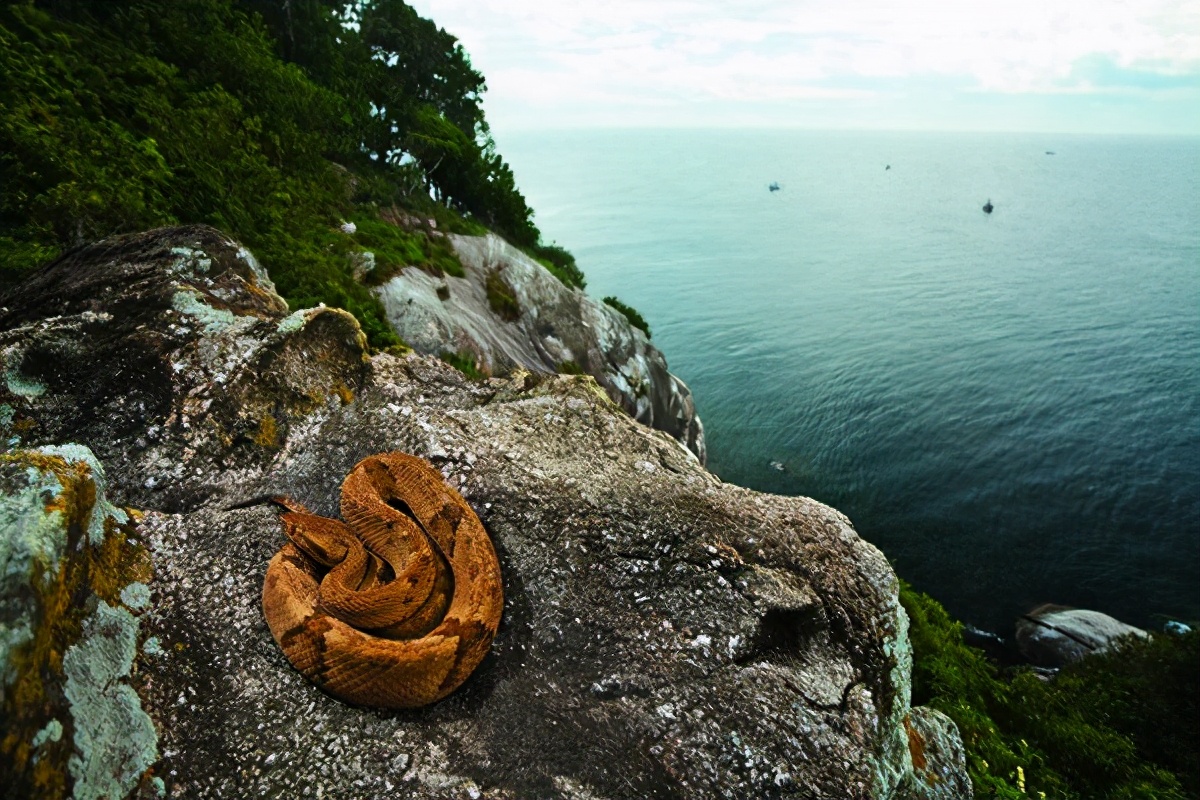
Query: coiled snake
{"type": "Point", "coordinates": [395, 607]}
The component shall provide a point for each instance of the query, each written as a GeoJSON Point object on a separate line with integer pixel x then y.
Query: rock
{"type": "Point", "coordinates": [1054, 636]}
{"type": "Point", "coordinates": [939, 760]}
{"type": "Point", "coordinates": [72, 588]}
{"type": "Point", "coordinates": [664, 635]}
{"type": "Point", "coordinates": [553, 326]}
{"type": "Point", "coordinates": [169, 352]}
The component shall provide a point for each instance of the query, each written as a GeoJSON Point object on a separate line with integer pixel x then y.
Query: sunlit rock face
{"type": "Point", "coordinates": [664, 634]}
{"type": "Point", "coordinates": [553, 328]}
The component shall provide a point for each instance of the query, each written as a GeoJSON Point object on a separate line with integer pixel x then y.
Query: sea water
{"type": "Point", "coordinates": [1008, 405]}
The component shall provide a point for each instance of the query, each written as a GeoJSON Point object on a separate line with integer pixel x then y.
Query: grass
{"type": "Point", "coordinates": [396, 248]}
{"type": "Point", "coordinates": [464, 362]}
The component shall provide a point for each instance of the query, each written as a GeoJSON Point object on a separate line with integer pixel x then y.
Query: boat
{"type": "Point", "coordinates": [987, 208]}
{"type": "Point", "coordinates": [774, 187]}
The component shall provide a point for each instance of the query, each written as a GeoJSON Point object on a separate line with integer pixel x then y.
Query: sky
{"type": "Point", "coordinates": [1088, 66]}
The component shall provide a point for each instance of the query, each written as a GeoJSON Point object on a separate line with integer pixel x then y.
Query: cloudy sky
{"type": "Point", "coordinates": [1042, 65]}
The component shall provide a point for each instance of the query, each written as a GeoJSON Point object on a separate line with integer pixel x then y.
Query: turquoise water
{"type": "Point", "coordinates": [1007, 405]}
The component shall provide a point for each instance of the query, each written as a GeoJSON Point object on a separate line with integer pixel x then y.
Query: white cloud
{"type": "Point", "coordinates": [557, 60]}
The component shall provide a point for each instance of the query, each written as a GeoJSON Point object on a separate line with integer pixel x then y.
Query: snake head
{"type": "Point", "coordinates": [325, 541]}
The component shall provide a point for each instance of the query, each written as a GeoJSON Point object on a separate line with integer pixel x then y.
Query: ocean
{"type": "Point", "coordinates": [1007, 405]}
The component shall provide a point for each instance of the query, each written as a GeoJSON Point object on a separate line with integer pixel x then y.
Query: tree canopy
{"type": "Point", "coordinates": [274, 120]}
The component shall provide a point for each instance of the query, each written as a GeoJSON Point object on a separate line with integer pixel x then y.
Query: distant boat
{"type": "Point", "coordinates": [987, 208]}
{"type": "Point", "coordinates": [774, 187]}
{"type": "Point", "coordinates": [889, 166]}
{"type": "Point", "coordinates": [1049, 152]}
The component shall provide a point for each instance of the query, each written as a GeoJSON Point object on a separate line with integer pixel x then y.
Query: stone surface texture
{"type": "Point", "coordinates": [556, 324]}
{"type": "Point", "coordinates": [1054, 636]}
{"type": "Point", "coordinates": [664, 634]}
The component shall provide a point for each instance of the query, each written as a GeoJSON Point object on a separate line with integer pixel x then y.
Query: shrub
{"type": "Point", "coordinates": [501, 296]}
{"type": "Point", "coordinates": [631, 314]}
{"type": "Point", "coordinates": [1114, 725]}
{"type": "Point", "coordinates": [560, 263]}
{"type": "Point", "coordinates": [396, 248]}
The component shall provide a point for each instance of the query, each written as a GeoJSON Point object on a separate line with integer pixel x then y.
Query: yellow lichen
{"type": "Point", "coordinates": [268, 432]}
{"type": "Point", "coordinates": [343, 391]}
{"type": "Point", "coordinates": [61, 595]}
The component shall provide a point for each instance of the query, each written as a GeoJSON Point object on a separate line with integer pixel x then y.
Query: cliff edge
{"type": "Point", "coordinates": [664, 634]}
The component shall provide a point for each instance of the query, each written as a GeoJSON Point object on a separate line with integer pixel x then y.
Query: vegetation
{"type": "Point", "coordinates": [501, 296]}
{"type": "Point", "coordinates": [631, 314]}
{"type": "Point", "coordinates": [395, 248]}
{"type": "Point", "coordinates": [560, 263]}
{"type": "Point", "coordinates": [276, 122]}
{"type": "Point", "coordinates": [464, 362]}
{"type": "Point", "coordinates": [1116, 725]}
{"type": "Point", "coordinates": [570, 367]}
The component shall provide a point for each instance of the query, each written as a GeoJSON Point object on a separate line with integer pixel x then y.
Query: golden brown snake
{"type": "Point", "coordinates": [396, 606]}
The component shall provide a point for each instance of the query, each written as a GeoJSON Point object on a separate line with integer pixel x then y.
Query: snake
{"type": "Point", "coordinates": [395, 606]}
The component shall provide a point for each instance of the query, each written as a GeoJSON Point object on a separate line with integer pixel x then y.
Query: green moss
{"type": "Point", "coordinates": [570, 367]}
{"type": "Point", "coordinates": [635, 319]}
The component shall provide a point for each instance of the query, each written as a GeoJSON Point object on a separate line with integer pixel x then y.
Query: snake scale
{"type": "Point", "coordinates": [396, 606]}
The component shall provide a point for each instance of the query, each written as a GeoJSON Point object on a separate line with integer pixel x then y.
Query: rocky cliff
{"type": "Point", "coordinates": [664, 634]}
{"type": "Point", "coordinates": [547, 326]}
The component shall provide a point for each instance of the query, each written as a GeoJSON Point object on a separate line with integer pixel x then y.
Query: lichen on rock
{"type": "Point", "coordinates": [67, 560]}
{"type": "Point", "coordinates": [115, 741]}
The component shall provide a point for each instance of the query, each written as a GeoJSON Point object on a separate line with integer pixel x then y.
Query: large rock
{"type": "Point", "coordinates": [555, 325]}
{"type": "Point", "coordinates": [664, 635]}
{"type": "Point", "coordinates": [1054, 636]}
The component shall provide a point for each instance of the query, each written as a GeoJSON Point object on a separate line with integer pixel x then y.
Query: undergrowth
{"type": "Point", "coordinates": [1118, 725]}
